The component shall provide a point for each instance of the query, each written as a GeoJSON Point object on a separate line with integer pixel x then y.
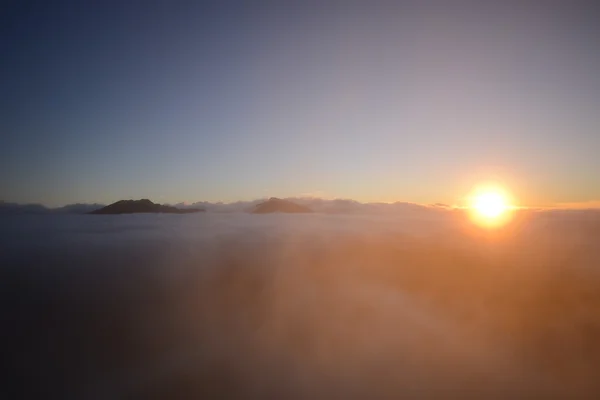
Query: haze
{"type": "Point", "coordinates": [299, 200]}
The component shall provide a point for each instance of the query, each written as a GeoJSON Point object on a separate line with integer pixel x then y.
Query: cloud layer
{"type": "Point", "coordinates": [300, 306]}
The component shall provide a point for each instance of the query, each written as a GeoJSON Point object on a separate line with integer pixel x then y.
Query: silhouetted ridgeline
{"type": "Point", "coordinates": [7, 208]}
{"type": "Point", "coordinates": [314, 204]}
{"type": "Point", "coordinates": [142, 206]}
{"type": "Point", "coordinates": [274, 205]}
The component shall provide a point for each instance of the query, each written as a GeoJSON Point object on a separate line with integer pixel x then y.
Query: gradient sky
{"type": "Point", "coordinates": [187, 101]}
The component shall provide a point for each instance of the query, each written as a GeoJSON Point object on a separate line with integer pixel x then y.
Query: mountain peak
{"type": "Point", "coordinates": [275, 204]}
{"type": "Point", "coordinates": [141, 206]}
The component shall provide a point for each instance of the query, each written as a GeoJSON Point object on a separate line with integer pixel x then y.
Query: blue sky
{"type": "Point", "coordinates": [189, 101]}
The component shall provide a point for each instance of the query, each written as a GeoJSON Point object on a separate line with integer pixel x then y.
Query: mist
{"type": "Point", "coordinates": [301, 306]}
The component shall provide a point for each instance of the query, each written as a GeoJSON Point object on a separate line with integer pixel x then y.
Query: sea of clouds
{"type": "Point", "coordinates": [419, 304]}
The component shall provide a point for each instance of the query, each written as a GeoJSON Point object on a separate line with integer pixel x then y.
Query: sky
{"type": "Point", "coordinates": [374, 101]}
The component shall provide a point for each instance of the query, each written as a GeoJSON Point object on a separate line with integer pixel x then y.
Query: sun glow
{"type": "Point", "coordinates": [490, 206]}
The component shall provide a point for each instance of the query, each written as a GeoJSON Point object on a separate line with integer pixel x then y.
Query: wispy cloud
{"type": "Point", "coordinates": [581, 205]}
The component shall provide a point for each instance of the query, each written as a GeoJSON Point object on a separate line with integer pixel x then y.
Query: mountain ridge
{"type": "Point", "coordinates": [141, 206]}
{"type": "Point", "coordinates": [275, 204]}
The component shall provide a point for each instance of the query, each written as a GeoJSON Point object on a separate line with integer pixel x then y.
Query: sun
{"type": "Point", "coordinates": [490, 206]}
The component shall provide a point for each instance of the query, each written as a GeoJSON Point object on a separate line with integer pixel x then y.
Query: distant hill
{"type": "Point", "coordinates": [141, 206]}
{"type": "Point", "coordinates": [38, 209]}
{"type": "Point", "coordinates": [314, 204]}
{"type": "Point", "coordinates": [278, 205]}
{"type": "Point", "coordinates": [14, 208]}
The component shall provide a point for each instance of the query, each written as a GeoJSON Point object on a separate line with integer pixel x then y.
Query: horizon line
{"type": "Point", "coordinates": [581, 205]}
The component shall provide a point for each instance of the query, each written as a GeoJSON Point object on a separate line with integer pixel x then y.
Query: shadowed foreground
{"type": "Point", "coordinates": [356, 316]}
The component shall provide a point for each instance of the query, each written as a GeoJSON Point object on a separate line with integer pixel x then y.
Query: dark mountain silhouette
{"type": "Point", "coordinates": [17, 209]}
{"type": "Point", "coordinates": [141, 206]}
{"type": "Point", "coordinates": [278, 205]}
{"type": "Point", "coordinates": [14, 208]}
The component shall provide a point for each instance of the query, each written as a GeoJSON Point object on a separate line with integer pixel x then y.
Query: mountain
{"type": "Point", "coordinates": [278, 205]}
{"type": "Point", "coordinates": [14, 208]}
{"type": "Point", "coordinates": [141, 206]}
{"type": "Point", "coordinates": [313, 204]}
{"type": "Point", "coordinates": [18, 209]}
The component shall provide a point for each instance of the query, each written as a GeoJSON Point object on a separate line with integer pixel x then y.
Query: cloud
{"type": "Point", "coordinates": [581, 205]}
{"type": "Point", "coordinates": [302, 306]}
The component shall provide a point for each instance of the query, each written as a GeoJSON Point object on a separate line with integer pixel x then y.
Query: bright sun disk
{"type": "Point", "coordinates": [490, 204]}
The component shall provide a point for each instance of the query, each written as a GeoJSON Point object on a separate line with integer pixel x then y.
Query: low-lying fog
{"type": "Point", "coordinates": [300, 306]}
